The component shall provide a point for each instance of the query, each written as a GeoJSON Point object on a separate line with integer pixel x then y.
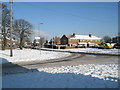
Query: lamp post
{"type": "Point", "coordinates": [11, 53]}
{"type": "Point", "coordinates": [39, 34]}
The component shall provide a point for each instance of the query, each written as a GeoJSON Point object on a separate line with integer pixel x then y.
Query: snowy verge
{"type": "Point", "coordinates": [88, 50]}
{"type": "Point", "coordinates": [30, 55]}
{"type": "Point", "coordinates": [101, 71]}
{"type": "Point", "coordinates": [81, 76]}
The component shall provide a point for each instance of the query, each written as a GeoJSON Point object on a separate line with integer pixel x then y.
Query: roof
{"type": "Point", "coordinates": [69, 36]}
{"type": "Point", "coordinates": [83, 37]}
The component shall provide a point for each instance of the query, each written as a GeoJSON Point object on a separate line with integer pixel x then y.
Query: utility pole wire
{"type": "Point", "coordinates": [11, 53]}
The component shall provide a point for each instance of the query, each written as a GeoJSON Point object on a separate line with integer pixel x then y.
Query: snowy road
{"type": "Point", "coordinates": [78, 59]}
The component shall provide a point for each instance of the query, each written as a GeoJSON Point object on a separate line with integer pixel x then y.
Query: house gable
{"type": "Point", "coordinates": [64, 40]}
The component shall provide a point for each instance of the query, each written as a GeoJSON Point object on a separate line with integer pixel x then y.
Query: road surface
{"type": "Point", "coordinates": [75, 59]}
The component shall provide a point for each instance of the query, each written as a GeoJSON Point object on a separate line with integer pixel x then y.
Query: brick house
{"type": "Point", "coordinates": [14, 42]}
{"type": "Point", "coordinates": [56, 40]}
{"type": "Point", "coordinates": [75, 40]}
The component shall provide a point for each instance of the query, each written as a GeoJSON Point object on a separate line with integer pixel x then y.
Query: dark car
{"type": "Point", "coordinates": [117, 46]}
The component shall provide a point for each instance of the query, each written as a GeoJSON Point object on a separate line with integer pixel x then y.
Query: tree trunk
{"type": "Point", "coordinates": [21, 43]}
{"type": "Point", "coordinates": [21, 40]}
{"type": "Point", "coordinates": [4, 38]}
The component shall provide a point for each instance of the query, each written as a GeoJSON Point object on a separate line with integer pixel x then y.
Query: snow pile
{"type": "Point", "coordinates": [30, 55]}
{"type": "Point", "coordinates": [82, 76]}
{"type": "Point", "coordinates": [101, 71]}
{"type": "Point", "coordinates": [90, 50]}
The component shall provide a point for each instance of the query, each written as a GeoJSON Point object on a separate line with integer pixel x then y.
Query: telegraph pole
{"type": "Point", "coordinates": [11, 53]}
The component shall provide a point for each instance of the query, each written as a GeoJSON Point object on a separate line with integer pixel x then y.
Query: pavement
{"type": "Point", "coordinates": [89, 53]}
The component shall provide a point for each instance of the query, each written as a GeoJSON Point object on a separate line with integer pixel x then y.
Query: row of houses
{"type": "Point", "coordinates": [67, 41]}
{"type": "Point", "coordinates": [75, 40]}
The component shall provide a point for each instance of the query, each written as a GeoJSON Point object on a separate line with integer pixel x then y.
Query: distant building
{"type": "Point", "coordinates": [14, 42]}
{"type": "Point", "coordinates": [75, 40]}
{"type": "Point", "coordinates": [116, 39]}
{"type": "Point", "coordinates": [57, 40]}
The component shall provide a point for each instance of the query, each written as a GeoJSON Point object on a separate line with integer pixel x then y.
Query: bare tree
{"type": "Point", "coordinates": [43, 37]}
{"type": "Point", "coordinates": [106, 39]}
{"type": "Point", "coordinates": [22, 30]}
{"type": "Point", "coordinates": [5, 23]}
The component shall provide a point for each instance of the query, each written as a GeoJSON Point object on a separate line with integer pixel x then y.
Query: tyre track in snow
{"type": "Point", "coordinates": [25, 67]}
{"type": "Point", "coordinates": [26, 63]}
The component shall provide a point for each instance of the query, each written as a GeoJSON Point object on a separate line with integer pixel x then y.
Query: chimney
{"type": "Point", "coordinates": [90, 35]}
{"type": "Point", "coordinates": [73, 34]}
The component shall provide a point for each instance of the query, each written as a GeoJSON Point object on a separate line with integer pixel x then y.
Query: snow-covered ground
{"type": "Point", "coordinates": [29, 55]}
{"type": "Point", "coordinates": [32, 55]}
{"type": "Point", "coordinates": [90, 50]}
{"type": "Point", "coordinates": [82, 76]}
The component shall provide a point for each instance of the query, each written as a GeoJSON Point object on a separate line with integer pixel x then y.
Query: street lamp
{"type": "Point", "coordinates": [39, 33]}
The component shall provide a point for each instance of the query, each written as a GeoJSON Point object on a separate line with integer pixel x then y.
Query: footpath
{"type": "Point", "coordinates": [89, 51]}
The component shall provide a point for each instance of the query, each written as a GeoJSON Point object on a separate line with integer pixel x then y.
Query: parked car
{"type": "Point", "coordinates": [93, 46]}
{"type": "Point", "coordinates": [105, 46]}
{"type": "Point", "coordinates": [100, 47]}
{"type": "Point", "coordinates": [108, 46]}
{"type": "Point", "coordinates": [117, 46]}
{"type": "Point", "coordinates": [27, 46]}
